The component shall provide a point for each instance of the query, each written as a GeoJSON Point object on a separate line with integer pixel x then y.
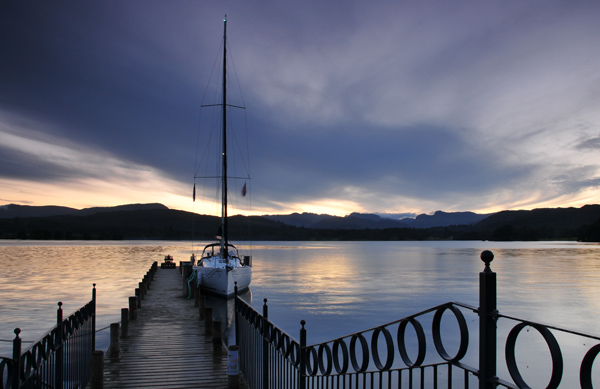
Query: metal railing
{"type": "Point", "coordinates": [60, 359]}
{"type": "Point", "coordinates": [429, 349]}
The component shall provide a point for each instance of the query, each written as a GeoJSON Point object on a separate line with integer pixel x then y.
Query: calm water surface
{"type": "Point", "coordinates": [337, 287]}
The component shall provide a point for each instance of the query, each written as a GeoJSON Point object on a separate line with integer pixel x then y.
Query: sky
{"type": "Point", "coordinates": [391, 107]}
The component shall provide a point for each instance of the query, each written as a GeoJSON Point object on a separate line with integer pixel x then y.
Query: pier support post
{"type": "Point", "coordinates": [197, 293]}
{"type": "Point", "coordinates": [201, 306]}
{"type": "Point", "coordinates": [114, 350]}
{"type": "Point", "coordinates": [487, 323]}
{"type": "Point", "coordinates": [142, 289]}
{"type": "Point", "coordinates": [233, 368]}
{"type": "Point", "coordinates": [124, 322]}
{"type": "Point", "coordinates": [208, 321]}
{"type": "Point", "coordinates": [138, 294]}
{"type": "Point", "coordinates": [97, 374]}
{"type": "Point", "coordinates": [132, 308]}
{"type": "Point", "coordinates": [216, 338]}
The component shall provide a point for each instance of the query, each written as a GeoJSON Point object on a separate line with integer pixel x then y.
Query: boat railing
{"type": "Point", "coordinates": [452, 345]}
{"type": "Point", "coordinates": [60, 359]}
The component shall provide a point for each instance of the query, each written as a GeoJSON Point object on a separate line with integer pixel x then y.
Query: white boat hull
{"type": "Point", "coordinates": [221, 281]}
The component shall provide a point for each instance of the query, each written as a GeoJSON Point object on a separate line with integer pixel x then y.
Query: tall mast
{"type": "Point", "coordinates": [224, 238]}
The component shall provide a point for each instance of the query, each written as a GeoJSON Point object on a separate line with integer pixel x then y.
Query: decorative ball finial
{"type": "Point", "coordinates": [60, 304]}
{"type": "Point", "coordinates": [265, 300]}
{"type": "Point", "coordinates": [302, 322]}
{"type": "Point", "coordinates": [487, 257]}
{"type": "Point", "coordinates": [17, 331]}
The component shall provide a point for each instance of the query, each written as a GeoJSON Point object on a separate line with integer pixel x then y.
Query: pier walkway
{"type": "Point", "coordinates": [166, 346]}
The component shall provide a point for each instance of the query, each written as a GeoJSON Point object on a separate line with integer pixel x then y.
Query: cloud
{"type": "Point", "coordinates": [351, 106]}
{"type": "Point", "coordinates": [589, 144]}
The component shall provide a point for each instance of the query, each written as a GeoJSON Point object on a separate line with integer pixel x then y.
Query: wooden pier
{"type": "Point", "coordinates": [166, 346]}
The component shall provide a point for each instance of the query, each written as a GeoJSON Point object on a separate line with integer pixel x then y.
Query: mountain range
{"type": "Point", "coordinates": [156, 221]}
{"type": "Point", "coordinates": [368, 220]}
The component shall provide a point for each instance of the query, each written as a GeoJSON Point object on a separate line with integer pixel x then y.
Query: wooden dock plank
{"type": "Point", "coordinates": [166, 346]}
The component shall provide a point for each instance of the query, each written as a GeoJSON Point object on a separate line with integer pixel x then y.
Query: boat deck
{"type": "Point", "coordinates": [166, 346]}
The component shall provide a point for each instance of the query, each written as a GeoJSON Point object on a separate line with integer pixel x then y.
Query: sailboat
{"type": "Point", "coordinates": [221, 268]}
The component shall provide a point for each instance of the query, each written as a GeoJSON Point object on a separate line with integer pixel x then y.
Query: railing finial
{"type": "Point", "coordinates": [487, 257]}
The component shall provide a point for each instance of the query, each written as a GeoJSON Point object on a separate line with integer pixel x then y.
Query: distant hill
{"type": "Point", "coordinates": [444, 219]}
{"type": "Point", "coordinates": [367, 220]}
{"type": "Point", "coordinates": [145, 221]}
{"type": "Point", "coordinates": [155, 221]}
{"type": "Point", "coordinates": [295, 219]}
{"type": "Point", "coordinates": [542, 223]}
{"type": "Point", "coordinates": [13, 210]}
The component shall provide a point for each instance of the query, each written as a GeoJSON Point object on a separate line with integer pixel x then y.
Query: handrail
{"type": "Point", "coordinates": [379, 356]}
{"type": "Point", "coordinates": [61, 358]}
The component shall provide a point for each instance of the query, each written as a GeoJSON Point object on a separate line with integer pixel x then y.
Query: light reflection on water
{"type": "Point", "coordinates": [337, 287]}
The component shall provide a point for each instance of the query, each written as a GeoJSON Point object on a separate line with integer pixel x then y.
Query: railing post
{"type": "Point", "coordinates": [265, 344]}
{"type": "Point", "coordinates": [301, 356]}
{"type": "Point", "coordinates": [58, 372]}
{"type": "Point", "coordinates": [94, 318]}
{"type": "Point", "coordinates": [16, 369]}
{"type": "Point", "coordinates": [487, 323]}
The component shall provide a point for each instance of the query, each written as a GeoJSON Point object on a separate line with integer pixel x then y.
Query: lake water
{"type": "Point", "coordinates": [337, 287]}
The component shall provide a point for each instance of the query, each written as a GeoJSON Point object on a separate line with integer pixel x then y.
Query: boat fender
{"type": "Point", "coordinates": [191, 279]}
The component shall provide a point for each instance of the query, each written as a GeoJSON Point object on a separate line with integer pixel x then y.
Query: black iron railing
{"type": "Point", "coordinates": [429, 349]}
{"type": "Point", "coordinates": [60, 359]}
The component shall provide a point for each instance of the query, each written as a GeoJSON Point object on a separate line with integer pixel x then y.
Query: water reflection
{"type": "Point", "coordinates": [337, 287]}
{"type": "Point", "coordinates": [223, 311]}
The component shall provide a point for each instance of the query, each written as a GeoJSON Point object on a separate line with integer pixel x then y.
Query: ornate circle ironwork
{"type": "Point", "coordinates": [252, 318]}
{"type": "Point", "coordinates": [364, 351]}
{"type": "Point", "coordinates": [389, 343]}
{"type": "Point", "coordinates": [323, 367]}
{"type": "Point", "coordinates": [268, 331]}
{"type": "Point", "coordinates": [422, 342]}
{"type": "Point", "coordinates": [294, 353]}
{"type": "Point", "coordinates": [585, 373]}
{"type": "Point", "coordinates": [311, 368]}
{"type": "Point", "coordinates": [258, 322]}
{"type": "Point", "coordinates": [285, 346]}
{"type": "Point", "coordinates": [555, 354]}
{"type": "Point", "coordinates": [437, 337]}
{"type": "Point", "coordinates": [337, 345]}
{"type": "Point", "coordinates": [276, 337]}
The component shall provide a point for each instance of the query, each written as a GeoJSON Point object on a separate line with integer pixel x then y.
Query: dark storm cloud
{"type": "Point", "coordinates": [589, 144]}
{"type": "Point", "coordinates": [18, 164]}
{"type": "Point", "coordinates": [382, 104]}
